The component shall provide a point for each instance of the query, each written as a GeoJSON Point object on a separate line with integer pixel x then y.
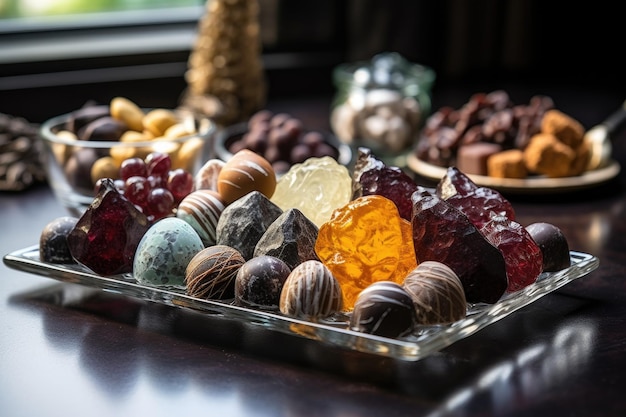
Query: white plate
{"type": "Point", "coordinates": [423, 342]}
{"type": "Point", "coordinates": [530, 185]}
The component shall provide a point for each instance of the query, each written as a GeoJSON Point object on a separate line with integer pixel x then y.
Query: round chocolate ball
{"type": "Point", "coordinates": [384, 308]}
{"type": "Point", "coordinates": [437, 293]}
{"type": "Point", "coordinates": [53, 246]}
{"type": "Point", "coordinates": [211, 272]}
{"type": "Point", "coordinates": [311, 292]}
{"type": "Point", "coordinates": [259, 282]}
{"type": "Point", "coordinates": [246, 171]}
{"type": "Point", "coordinates": [553, 245]}
{"type": "Point", "coordinates": [78, 169]}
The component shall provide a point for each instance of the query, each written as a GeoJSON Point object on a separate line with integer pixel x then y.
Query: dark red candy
{"type": "Point", "coordinates": [372, 176]}
{"type": "Point", "coordinates": [444, 234]}
{"type": "Point", "coordinates": [477, 203]}
{"type": "Point", "coordinates": [522, 256]}
{"type": "Point", "coordinates": [106, 236]}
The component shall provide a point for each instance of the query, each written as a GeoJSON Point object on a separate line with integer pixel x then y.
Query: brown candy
{"type": "Point", "coordinates": [211, 272]}
{"type": "Point", "coordinates": [437, 293]}
{"type": "Point", "coordinates": [385, 309]}
{"type": "Point", "coordinates": [245, 172]}
{"type": "Point", "coordinates": [311, 292]}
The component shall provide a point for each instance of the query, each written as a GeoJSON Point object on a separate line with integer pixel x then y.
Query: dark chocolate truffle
{"type": "Point", "coordinates": [553, 245]}
{"type": "Point", "coordinates": [53, 246]}
{"type": "Point", "coordinates": [437, 293]}
{"type": "Point", "coordinates": [384, 308]}
{"type": "Point", "coordinates": [259, 282]}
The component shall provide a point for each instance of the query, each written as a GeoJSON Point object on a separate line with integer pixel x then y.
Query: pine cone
{"type": "Point", "coordinates": [225, 79]}
{"type": "Point", "coordinates": [21, 154]}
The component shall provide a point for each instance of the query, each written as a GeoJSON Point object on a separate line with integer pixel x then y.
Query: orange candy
{"type": "Point", "coordinates": [366, 241]}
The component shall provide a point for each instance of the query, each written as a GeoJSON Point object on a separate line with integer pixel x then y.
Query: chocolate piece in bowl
{"type": "Point", "coordinates": [281, 139]}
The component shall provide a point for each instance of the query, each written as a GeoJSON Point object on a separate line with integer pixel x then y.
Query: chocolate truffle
{"type": "Point", "coordinates": [384, 308]}
{"type": "Point", "coordinates": [202, 210]}
{"type": "Point", "coordinates": [259, 282]}
{"type": "Point", "coordinates": [553, 245]}
{"type": "Point", "coordinates": [311, 292]}
{"type": "Point", "coordinates": [246, 171]}
{"type": "Point", "coordinates": [437, 293]}
{"type": "Point", "coordinates": [211, 272]}
{"type": "Point", "coordinates": [53, 245]}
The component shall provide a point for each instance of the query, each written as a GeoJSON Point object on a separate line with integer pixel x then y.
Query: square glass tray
{"type": "Point", "coordinates": [424, 341]}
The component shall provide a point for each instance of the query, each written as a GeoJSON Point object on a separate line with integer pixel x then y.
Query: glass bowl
{"type": "Point", "coordinates": [74, 165]}
{"type": "Point", "coordinates": [382, 104]}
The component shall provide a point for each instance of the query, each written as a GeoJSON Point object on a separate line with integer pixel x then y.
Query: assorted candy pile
{"type": "Point", "coordinates": [490, 135]}
{"type": "Point", "coordinates": [120, 131]}
{"type": "Point", "coordinates": [320, 241]}
{"type": "Point", "coordinates": [282, 139]}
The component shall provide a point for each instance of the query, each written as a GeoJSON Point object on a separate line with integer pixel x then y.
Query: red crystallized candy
{"type": "Point", "coordinates": [522, 256]}
{"type": "Point", "coordinates": [444, 234]}
{"type": "Point", "coordinates": [106, 236]}
{"type": "Point", "coordinates": [477, 203]}
{"type": "Point", "coordinates": [373, 177]}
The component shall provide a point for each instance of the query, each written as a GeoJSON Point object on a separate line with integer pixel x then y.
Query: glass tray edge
{"type": "Point", "coordinates": [414, 349]}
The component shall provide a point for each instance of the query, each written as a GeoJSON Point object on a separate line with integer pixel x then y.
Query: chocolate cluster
{"type": "Point", "coordinates": [282, 139]}
{"type": "Point", "coordinates": [488, 118]}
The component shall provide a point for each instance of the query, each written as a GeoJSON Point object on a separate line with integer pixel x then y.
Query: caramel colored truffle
{"type": "Point", "coordinates": [507, 164]}
{"type": "Point", "coordinates": [566, 129]}
{"type": "Point", "coordinates": [582, 158]}
{"type": "Point", "coordinates": [545, 154]}
{"type": "Point", "coordinates": [246, 171]}
{"type": "Point", "coordinates": [437, 293]}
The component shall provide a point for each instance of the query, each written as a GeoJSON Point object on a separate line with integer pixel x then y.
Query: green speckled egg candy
{"type": "Point", "coordinates": [164, 252]}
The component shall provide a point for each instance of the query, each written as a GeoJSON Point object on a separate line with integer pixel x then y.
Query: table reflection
{"type": "Point", "coordinates": [503, 364]}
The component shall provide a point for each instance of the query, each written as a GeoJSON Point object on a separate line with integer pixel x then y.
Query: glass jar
{"type": "Point", "coordinates": [381, 104]}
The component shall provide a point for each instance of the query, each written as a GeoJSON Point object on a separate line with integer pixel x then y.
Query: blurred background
{"type": "Point", "coordinates": [55, 55]}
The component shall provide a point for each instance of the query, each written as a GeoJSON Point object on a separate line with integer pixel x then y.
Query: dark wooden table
{"type": "Point", "coordinates": [66, 350]}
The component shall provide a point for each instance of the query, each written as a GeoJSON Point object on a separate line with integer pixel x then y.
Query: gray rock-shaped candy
{"type": "Point", "coordinates": [244, 221]}
{"type": "Point", "coordinates": [290, 238]}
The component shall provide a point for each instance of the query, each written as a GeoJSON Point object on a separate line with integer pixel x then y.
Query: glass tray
{"type": "Point", "coordinates": [423, 342]}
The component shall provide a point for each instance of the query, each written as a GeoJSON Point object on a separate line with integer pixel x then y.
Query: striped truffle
{"type": "Point", "coordinates": [437, 293]}
{"type": "Point", "coordinates": [385, 309]}
{"type": "Point", "coordinates": [202, 210]}
{"type": "Point", "coordinates": [311, 292]}
{"type": "Point", "coordinates": [211, 273]}
{"type": "Point", "coordinates": [246, 171]}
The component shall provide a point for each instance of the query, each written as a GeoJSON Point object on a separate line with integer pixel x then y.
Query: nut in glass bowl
{"type": "Point", "coordinates": [90, 143]}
